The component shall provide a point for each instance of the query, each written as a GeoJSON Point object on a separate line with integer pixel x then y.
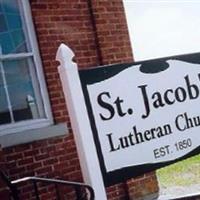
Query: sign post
{"type": "Point", "coordinates": [80, 122]}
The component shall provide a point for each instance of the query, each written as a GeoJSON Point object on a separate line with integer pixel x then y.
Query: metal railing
{"type": "Point", "coordinates": [81, 190]}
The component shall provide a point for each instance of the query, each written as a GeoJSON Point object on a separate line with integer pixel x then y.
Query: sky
{"type": "Point", "coordinates": [160, 28]}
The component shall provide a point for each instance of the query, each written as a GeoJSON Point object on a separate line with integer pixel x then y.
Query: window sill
{"type": "Point", "coordinates": [22, 137]}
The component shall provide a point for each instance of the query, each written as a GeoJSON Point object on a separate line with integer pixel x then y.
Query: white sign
{"type": "Point", "coordinates": [143, 118]}
{"type": "Point", "coordinates": [147, 118]}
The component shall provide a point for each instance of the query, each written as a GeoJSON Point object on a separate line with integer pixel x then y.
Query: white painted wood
{"type": "Point", "coordinates": [80, 122]}
{"type": "Point", "coordinates": [36, 58]}
{"type": "Point", "coordinates": [13, 56]}
{"type": "Point", "coordinates": [23, 125]}
{"type": "Point", "coordinates": [32, 135]}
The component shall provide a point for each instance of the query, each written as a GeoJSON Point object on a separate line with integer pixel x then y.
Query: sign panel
{"type": "Point", "coordinates": [143, 115]}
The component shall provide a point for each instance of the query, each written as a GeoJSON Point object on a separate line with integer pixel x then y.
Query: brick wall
{"type": "Point", "coordinates": [4, 192]}
{"type": "Point", "coordinates": [97, 33]}
{"type": "Point", "coordinates": [112, 31]}
{"type": "Point", "coordinates": [50, 158]}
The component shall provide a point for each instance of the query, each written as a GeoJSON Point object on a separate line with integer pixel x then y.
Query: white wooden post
{"type": "Point", "coordinates": [89, 162]}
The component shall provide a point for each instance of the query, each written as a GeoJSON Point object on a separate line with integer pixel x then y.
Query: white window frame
{"type": "Point", "coordinates": [34, 54]}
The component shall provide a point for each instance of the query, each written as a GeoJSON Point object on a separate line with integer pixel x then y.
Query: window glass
{"type": "Point", "coordinates": [20, 80]}
{"type": "Point", "coordinates": [3, 26]}
{"type": "Point", "coordinates": [12, 38]}
{"type": "Point", "coordinates": [4, 110]}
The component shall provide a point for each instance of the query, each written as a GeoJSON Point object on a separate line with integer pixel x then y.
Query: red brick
{"type": "Point", "coordinates": [33, 166]}
{"type": "Point", "coordinates": [17, 170]}
{"type": "Point", "coordinates": [43, 170]}
{"type": "Point", "coordinates": [25, 161]}
{"type": "Point", "coordinates": [41, 157]}
{"type": "Point", "coordinates": [50, 161]}
{"type": "Point", "coordinates": [14, 156]}
{"type": "Point", "coordinates": [31, 153]}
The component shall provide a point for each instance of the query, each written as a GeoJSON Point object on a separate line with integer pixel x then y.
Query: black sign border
{"type": "Point", "coordinates": [97, 74]}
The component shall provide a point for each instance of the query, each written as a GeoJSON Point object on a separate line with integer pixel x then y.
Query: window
{"type": "Point", "coordinates": [23, 97]}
